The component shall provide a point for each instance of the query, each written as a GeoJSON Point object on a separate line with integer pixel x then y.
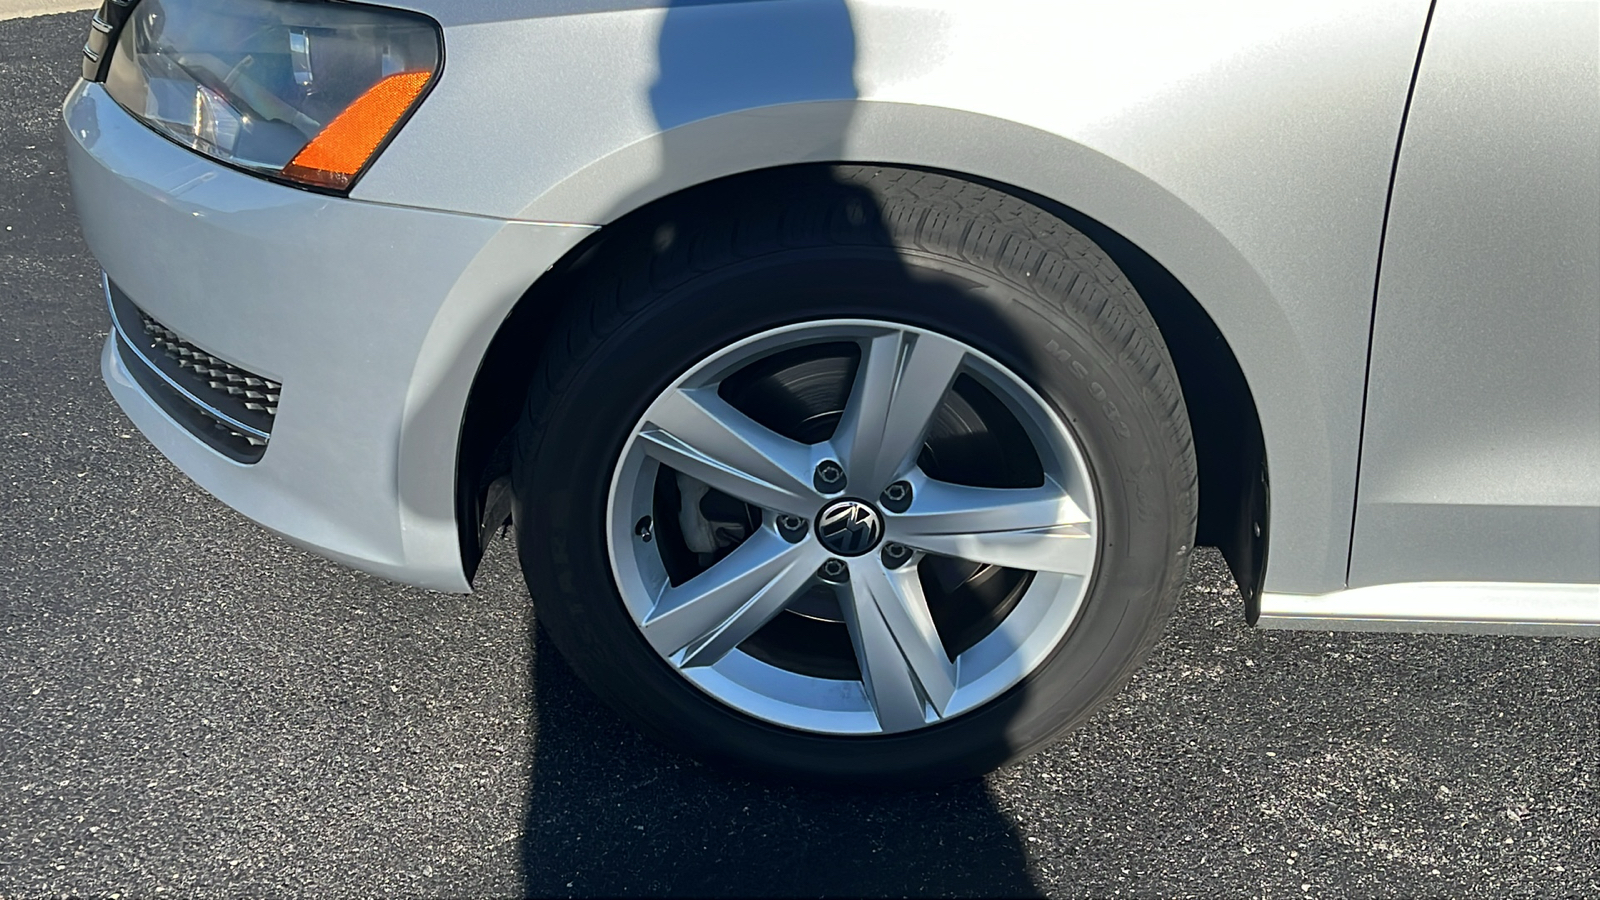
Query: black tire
{"type": "Point", "coordinates": [927, 250]}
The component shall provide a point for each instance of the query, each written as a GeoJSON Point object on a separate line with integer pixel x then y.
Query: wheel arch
{"type": "Point", "coordinates": [1229, 441]}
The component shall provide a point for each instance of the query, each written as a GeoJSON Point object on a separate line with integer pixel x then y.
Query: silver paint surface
{"type": "Point", "coordinates": [1482, 448]}
{"type": "Point", "coordinates": [1246, 146]}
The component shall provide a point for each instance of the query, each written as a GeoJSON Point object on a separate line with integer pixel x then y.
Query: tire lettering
{"type": "Point", "coordinates": [1098, 392]}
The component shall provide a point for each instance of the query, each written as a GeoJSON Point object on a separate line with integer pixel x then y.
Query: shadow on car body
{"type": "Point", "coordinates": [610, 812]}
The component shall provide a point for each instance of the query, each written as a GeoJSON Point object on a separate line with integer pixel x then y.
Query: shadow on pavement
{"type": "Point", "coordinates": [612, 813]}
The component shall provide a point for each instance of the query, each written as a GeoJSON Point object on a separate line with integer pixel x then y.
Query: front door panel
{"type": "Point", "coordinates": [1481, 452]}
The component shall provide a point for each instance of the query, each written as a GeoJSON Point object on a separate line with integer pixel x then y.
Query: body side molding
{"type": "Point", "coordinates": [1459, 607]}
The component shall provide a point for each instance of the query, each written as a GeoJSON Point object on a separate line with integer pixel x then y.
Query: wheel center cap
{"type": "Point", "coordinates": [849, 527]}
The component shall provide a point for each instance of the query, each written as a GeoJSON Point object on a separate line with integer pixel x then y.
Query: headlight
{"type": "Point", "coordinates": [306, 92]}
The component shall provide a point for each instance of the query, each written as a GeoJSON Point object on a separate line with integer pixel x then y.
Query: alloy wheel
{"type": "Point", "coordinates": [852, 527]}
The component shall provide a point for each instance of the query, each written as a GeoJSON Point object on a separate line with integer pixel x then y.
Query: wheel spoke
{"type": "Point", "coordinates": [710, 614]}
{"type": "Point", "coordinates": [902, 660]}
{"type": "Point", "coordinates": [699, 434]}
{"type": "Point", "coordinates": [1038, 529]}
{"type": "Point", "coordinates": [901, 380]}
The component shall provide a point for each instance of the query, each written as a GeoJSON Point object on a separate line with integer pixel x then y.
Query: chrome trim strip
{"type": "Point", "coordinates": [93, 56]}
{"type": "Point", "coordinates": [127, 341]}
{"type": "Point", "coordinates": [100, 25]}
{"type": "Point", "coordinates": [1466, 607]}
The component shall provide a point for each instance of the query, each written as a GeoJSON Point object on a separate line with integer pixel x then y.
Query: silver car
{"type": "Point", "coordinates": [860, 375]}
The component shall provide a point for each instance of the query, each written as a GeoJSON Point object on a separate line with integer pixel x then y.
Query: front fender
{"type": "Point", "coordinates": [1246, 147]}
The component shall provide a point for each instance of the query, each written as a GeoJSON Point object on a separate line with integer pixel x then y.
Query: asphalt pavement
{"type": "Point", "coordinates": [190, 706]}
{"type": "Point", "coordinates": [18, 9]}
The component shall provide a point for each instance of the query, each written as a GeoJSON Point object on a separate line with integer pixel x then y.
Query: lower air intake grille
{"type": "Point", "coordinates": [256, 393]}
{"type": "Point", "coordinates": [229, 408]}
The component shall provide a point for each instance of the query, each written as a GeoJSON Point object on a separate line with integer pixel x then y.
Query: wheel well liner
{"type": "Point", "coordinates": [1229, 445]}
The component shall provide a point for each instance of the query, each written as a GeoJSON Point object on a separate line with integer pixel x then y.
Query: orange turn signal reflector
{"type": "Point", "coordinates": [339, 151]}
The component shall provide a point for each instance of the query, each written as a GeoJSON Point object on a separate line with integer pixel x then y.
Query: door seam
{"type": "Point", "coordinates": [1377, 282]}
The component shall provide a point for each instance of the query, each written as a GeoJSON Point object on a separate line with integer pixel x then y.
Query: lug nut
{"type": "Point", "coordinates": [829, 478]}
{"type": "Point", "coordinates": [897, 497]}
{"type": "Point", "coordinates": [895, 555]}
{"type": "Point", "coordinates": [792, 527]}
{"type": "Point", "coordinates": [834, 570]}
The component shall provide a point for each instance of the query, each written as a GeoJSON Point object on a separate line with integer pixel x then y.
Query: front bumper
{"type": "Point", "coordinates": [372, 317]}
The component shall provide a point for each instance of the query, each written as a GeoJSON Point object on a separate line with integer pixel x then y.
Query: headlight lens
{"type": "Point", "coordinates": [307, 92]}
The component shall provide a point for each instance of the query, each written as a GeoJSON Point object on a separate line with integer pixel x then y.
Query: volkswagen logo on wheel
{"type": "Point", "coordinates": [849, 527]}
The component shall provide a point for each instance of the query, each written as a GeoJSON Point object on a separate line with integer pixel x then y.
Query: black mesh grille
{"type": "Point", "coordinates": [229, 408]}
{"type": "Point", "coordinates": [256, 393]}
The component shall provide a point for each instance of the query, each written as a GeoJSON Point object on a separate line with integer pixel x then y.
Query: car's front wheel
{"type": "Point", "coordinates": [864, 476]}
